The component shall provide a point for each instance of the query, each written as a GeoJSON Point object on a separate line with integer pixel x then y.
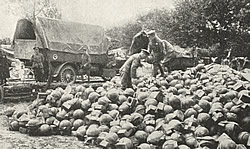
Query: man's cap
{"type": "Point", "coordinates": [34, 48]}
{"type": "Point", "coordinates": [151, 32]}
{"type": "Point", "coordinates": [146, 51]}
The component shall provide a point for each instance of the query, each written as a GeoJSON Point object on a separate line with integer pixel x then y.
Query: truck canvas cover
{"type": "Point", "coordinates": [59, 35]}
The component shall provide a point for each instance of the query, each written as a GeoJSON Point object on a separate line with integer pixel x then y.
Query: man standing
{"type": "Point", "coordinates": [128, 70]}
{"type": "Point", "coordinates": [37, 60]}
{"type": "Point", "coordinates": [140, 41]}
{"type": "Point", "coordinates": [156, 49]}
{"type": "Point", "coordinates": [86, 62]}
{"type": "Point", "coordinates": [4, 68]}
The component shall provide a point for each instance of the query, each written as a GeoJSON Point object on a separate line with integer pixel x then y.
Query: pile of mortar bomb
{"type": "Point", "coordinates": [202, 107]}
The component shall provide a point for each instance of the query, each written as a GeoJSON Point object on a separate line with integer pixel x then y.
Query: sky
{"type": "Point", "coordinates": [107, 13]}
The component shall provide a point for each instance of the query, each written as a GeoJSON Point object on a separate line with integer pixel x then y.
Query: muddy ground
{"type": "Point", "coordinates": [16, 140]}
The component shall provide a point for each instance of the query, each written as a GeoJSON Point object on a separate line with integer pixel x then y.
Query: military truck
{"type": "Point", "coordinates": [60, 43]}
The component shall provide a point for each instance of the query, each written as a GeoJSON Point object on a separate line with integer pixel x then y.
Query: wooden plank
{"type": "Point", "coordinates": [1, 94]}
{"type": "Point", "coordinates": [16, 94]}
{"type": "Point", "coordinates": [18, 98]}
{"type": "Point", "coordinates": [24, 91]}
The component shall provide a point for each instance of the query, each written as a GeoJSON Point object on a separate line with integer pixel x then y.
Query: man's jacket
{"type": "Point", "coordinates": [37, 60]}
{"type": "Point", "coordinates": [131, 65]}
{"type": "Point", "coordinates": [156, 48]}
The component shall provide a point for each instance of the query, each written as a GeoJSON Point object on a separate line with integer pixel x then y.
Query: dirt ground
{"type": "Point", "coordinates": [16, 140]}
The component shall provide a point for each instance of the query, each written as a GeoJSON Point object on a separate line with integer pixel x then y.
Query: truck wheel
{"type": "Point", "coordinates": [67, 74]}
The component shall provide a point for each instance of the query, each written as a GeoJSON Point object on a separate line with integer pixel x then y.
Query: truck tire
{"type": "Point", "coordinates": [67, 74]}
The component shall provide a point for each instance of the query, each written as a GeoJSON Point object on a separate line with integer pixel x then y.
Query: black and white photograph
{"type": "Point", "coordinates": [125, 74]}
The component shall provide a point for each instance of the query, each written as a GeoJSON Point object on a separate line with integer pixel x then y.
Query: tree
{"type": "Point", "coordinates": [198, 23]}
{"type": "Point", "coordinates": [51, 11]}
{"type": "Point", "coordinates": [188, 24]}
{"type": "Point", "coordinates": [32, 8]}
{"type": "Point", "coordinates": [206, 22]}
{"type": "Point", "coordinates": [124, 33]}
{"type": "Point", "coordinates": [157, 19]}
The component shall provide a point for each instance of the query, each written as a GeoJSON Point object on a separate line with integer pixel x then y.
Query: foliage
{"type": "Point", "coordinates": [222, 24]}
{"type": "Point", "coordinates": [206, 22]}
{"type": "Point", "coordinates": [155, 19]}
{"type": "Point", "coordinates": [159, 20]}
{"type": "Point", "coordinates": [51, 11]}
{"type": "Point", "coordinates": [31, 8]}
{"type": "Point", "coordinates": [5, 41]}
{"type": "Point", "coordinates": [124, 33]}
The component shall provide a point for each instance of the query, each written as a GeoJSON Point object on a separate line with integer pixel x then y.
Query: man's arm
{"type": "Point", "coordinates": [161, 46]}
{"type": "Point", "coordinates": [131, 52]}
{"type": "Point", "coordinates": [88, 60]}
{"type": "Point", "coordinates": [32, 59]}
{"type": "Point", "coordinates": [149, 45]}
{"type": "Point", "coordinates": [135, 64]}
{"type": "Point", "coordinates": [42, 57]}
{"type": "Point", "coordinates": [167, 47]}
